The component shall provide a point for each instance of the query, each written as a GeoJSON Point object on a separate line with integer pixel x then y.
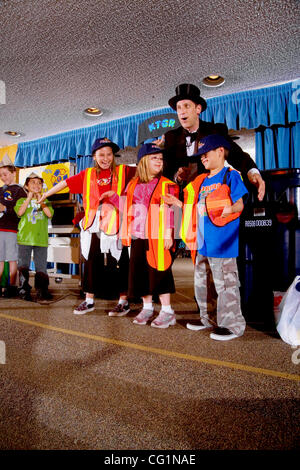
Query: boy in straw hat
{"type": "Point", "coordinates": [10, 192]}
{"type": "Point", "coordinates": [33, 236]}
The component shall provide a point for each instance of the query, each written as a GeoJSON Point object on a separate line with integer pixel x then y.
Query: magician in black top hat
{"type": "Point", "coordinates": [187, 91]}
{"type": "Point", "coordinates": [180, 144]}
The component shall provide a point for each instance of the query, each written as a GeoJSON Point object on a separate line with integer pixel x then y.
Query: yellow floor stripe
{"type": "Point", "coordinates": [163, 352]}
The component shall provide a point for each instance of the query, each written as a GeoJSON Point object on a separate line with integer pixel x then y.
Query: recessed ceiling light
{"type": "Point", "coordinates": [13, 133]}
{"type": "Point", "coordinates": [92, 111]}
{"type": "Point", "coordinates": [213, 80]}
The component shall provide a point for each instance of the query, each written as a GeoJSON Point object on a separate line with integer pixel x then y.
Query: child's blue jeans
{"type": "Point", "coordinates": [39, 257]}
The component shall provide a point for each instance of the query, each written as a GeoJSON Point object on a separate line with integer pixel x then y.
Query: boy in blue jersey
{"type": "Point", "coordinates": [216, 274]}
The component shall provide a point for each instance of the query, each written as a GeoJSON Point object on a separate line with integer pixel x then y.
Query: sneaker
{"type": "Point", "coordinates": [222, 334]}
{"type": "Point", "coordinates": [196, 326]}
{"type": "Point", "coordinates": [24, 294]}
{"type": "Point", "coordinates": [83, 308]}
{"type": "Point", "coordinates": [143, 317]}
{"type": "Point", "coordinates": [43, 295]}
{"type": "Point", "coordinates": [164, 320]}
{"type": "Point", "coordinates": [119, 310]}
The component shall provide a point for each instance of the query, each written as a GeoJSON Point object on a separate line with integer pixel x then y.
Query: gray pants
{"type": "Point", "coordinates": [216, 283]}
{"type": "Point", "coordinates": [39, 257]}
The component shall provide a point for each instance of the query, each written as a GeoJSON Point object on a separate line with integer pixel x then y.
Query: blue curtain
{"type": "Point", "coordinates": [273, 106]}
{"type": "Point", "coordinates": [278, 147]}
{"type": "Point", "coordinates": [254, 108]}
{"type": "Point", "coordinates": [69, 145]}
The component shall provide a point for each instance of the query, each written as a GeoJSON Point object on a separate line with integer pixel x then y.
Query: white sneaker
{"type": "Point", "coordinates": [196, 326]}
{"type": "Point", "coordinates": [143, 317]}
{"type": "Point", "coordinates": [164, 320]}
{"type": "Point", "coordinates": [83, 308]}
{"type": "Point", "coordinates": [222, 334]}
{"type": "Point", "coordinates": [119, 310]}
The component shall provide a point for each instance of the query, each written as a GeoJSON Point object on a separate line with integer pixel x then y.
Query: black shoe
{"type": "Point", "coordinates": [24, 294]}
{"type": "Point", "coordinates": [43, 295]}
{"type": "Point", "coordinates": [10, 291]}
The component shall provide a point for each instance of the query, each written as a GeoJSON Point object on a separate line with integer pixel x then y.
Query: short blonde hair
{"type": "Point", "coordinates": [142, 171]}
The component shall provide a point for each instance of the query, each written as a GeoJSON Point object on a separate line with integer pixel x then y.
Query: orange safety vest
{"type": "Point", "coordinates": [189, 216]}
{"type": "Point", "coordinates": [214, 202]}
{"type": "Point", "coordinates": [156, 223]}
{"type": "Point", "coordinates": [109, 215]}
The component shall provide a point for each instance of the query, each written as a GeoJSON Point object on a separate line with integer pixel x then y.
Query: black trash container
{"type": "Point", "coordinates": [269, 256]}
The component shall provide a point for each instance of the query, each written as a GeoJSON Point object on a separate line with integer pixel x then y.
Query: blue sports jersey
{"type": "Point", "coordinates": [213, 241]}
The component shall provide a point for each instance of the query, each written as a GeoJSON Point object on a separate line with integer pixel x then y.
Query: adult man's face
{"type": "Point", "coordinates": [188, 114]}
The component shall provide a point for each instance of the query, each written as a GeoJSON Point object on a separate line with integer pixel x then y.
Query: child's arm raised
{"type": "Point", "coordinates": [55, 189]}
{"type": "Point", "coordinates": [23, 207]}
{"type": "Point", "coordinates": [47, 211]}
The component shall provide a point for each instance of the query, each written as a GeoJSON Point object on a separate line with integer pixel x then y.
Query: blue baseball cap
{"type": "Point", "coordinates": [148, 149]}
{"type": "Point", "coordinates": [211, 142]}
{"type": "Point", "coordinates": [104, 142]}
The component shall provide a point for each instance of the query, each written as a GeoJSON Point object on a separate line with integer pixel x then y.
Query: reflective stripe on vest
{"type": "Point", "coordinates": [161, 230]}
{"type": "Point", "coordinates": [157, 256]}
{"type": "Point", "coordinates": [189, 217]}
{"type": "Point", "coordinates": [109, 222]}
{"type": "Point", "coordinates": [127, 213]}
{"type": "Point", "coordinates": [90, 196]}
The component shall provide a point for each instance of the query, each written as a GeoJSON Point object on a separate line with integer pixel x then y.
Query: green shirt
{"type": "Point", "coordinates": [33, 225]}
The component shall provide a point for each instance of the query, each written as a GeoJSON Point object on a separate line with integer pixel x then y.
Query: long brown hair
{"type": "Point", "coordinates": [112, 167]}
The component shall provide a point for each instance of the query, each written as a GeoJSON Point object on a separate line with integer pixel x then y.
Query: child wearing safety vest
{"type": "Point", "coordinates": [147, 227]}
{"type": "Point", "coordinates": [100, 225]}
{"type": "Point", "coordinates": [212, 205]}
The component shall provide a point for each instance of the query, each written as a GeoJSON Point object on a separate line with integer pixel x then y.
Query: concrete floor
{"type": "Point", "coordinates": [96, 382]}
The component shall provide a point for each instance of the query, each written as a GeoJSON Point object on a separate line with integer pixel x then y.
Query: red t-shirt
{"type": "Point", "coordinates": [75, 183]}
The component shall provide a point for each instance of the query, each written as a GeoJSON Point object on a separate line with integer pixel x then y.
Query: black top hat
{"type": "Point", "coordinates": [187, 91]}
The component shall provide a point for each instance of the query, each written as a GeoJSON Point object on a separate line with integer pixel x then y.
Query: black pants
{"type": "Point", "coordinates": [104, 276]}
{"type": "Point", "coordinates": [143, 279]}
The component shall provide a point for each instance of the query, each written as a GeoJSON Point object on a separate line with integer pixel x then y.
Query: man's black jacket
{"type": "Point", "coordinates": [175, 150]}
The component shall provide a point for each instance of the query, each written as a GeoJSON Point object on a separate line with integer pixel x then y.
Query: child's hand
{"type": "Point", "coordinates": [106, 194]}
{"type": "Point", "coordinates": [2, 207]}
{"type": "Point", "coordinates": [168, 243]}
{"type": "Point", "coordinates": [172, 200]}
{"type": "Point", "coordinates": [227, 211]}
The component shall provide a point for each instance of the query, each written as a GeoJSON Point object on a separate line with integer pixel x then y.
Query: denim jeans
{"type": "Point", "coordinates": [39, 257]}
